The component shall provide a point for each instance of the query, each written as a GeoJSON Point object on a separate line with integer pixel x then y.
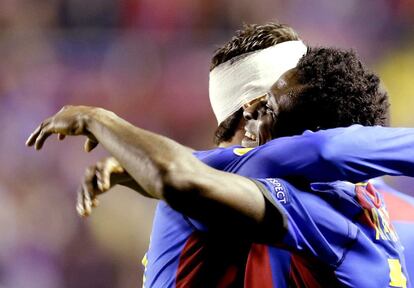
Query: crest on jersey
{"type": "Point", "coordinates": [241, 151]}
{"type": "Point", "coordinates": [375, 213]}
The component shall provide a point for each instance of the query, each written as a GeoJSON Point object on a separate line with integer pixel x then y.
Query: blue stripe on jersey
{"type": "Point", "coordinates": [167, 242]}
{"type": "Point", "coordinates": [280, 265]}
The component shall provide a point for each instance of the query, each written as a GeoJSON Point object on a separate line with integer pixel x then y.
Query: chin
{"type": "Point", "coordinates": [249, 143]}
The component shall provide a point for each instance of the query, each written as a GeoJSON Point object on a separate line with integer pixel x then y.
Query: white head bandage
{"type": "Point", "coordinates": [235, 83]}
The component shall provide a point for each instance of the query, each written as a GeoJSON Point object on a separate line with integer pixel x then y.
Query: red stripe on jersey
{"type": "Point", "coordinates": [211, 262]}
{"type": "Point", "coordinates": [309, 272]}
{"type": "Point", "coordinates": [398, 209]}
{"type": "Point", "coordinates": [258, 271]}
{"type": "Point", "coordinates": [191, 263]}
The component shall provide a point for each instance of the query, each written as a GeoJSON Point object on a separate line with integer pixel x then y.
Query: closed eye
{"type": "Point", "coordinates": [268, 106]}
{"type": "Point", "coordinates": [269, 109]}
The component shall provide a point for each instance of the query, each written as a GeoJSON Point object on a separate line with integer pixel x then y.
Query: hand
{"type": "Point", "coordinates": [70, 120]}
{"type": "Point", "coordinates": [98, 179]}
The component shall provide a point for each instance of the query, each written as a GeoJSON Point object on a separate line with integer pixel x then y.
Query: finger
{"type": "Point", "coordinates": [93, 190]}
{"type": "Point", "coordinates": [99, 181]}
{"type": "Point", "coordinates": [90, 144]}
{"type": "Point", "coordinates": [90, 182]}
{"type": "Point", "coordinates": [90, 197]}
{"type": "Point", "coordinates": [100, 165]}
{"type": "Point", "coordinates": [87, 202]}
{"type": "Point", "coordinates": [32, 138]}
{"type": "Point", "coordinates": [103, 175]}
{"type": "Point", "coordinates": [86, 192]}
{"type": "Point", "coordinates": [43, 135]}
{"type": "Point", "coordinates": [95, 202]}
{"type": "Point", "coordinates": [106, 178]}
{"type": "Point", "coordinates": [111, 166]}
{"type": "Point", "coordinates": [79, 205]}
{"type": "Point", "coordinates": [81, 211]}
{"type": "Point", "coordinates": [115, 166]}
{"type": "Point", "coordinates": [61, 136]}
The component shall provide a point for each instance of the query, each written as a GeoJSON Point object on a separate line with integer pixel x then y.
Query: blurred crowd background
{"type": "Point", "coordinates": [148, 61]}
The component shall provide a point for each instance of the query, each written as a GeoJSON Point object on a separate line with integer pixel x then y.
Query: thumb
{"type": "Point", "coordinates": [90, 144]}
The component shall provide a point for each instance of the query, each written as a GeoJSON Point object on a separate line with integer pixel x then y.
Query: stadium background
{"type": "Point", "coordinates": [147, 60]}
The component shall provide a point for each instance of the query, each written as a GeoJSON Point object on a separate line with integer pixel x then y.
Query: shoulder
{"type": "Point", "coordinates": [220, 158]}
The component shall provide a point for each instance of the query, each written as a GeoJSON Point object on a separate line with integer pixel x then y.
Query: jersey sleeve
{"type": "Point", "coordinates": [362, 153]}
{"type": "Point", "coordinates": [314, 227]}
{"type": "Point", "coordinates": [355, 153]}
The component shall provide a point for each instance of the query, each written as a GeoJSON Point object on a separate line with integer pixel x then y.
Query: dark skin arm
{"type": "Point", "coordinates": [167, 170]}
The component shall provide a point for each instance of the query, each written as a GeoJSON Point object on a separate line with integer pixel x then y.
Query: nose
{"type": "Point", "coordinates": [251, 109]}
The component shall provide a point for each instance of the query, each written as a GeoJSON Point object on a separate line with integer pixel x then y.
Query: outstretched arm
{"type": "Point", "coordinates": [367, 152]}
{"type": "Point", "coordinates": [167, 170]}
{"type": "Point", "coordinates": [355, 154]}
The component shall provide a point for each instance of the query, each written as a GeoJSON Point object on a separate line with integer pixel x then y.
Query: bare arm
{"type": "Point", "coordinates": [167, 170]}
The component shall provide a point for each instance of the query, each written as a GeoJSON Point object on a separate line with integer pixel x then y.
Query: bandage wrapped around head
{"type": "Point", "coordinates": [249, 76]}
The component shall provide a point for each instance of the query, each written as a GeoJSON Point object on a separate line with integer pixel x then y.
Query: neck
{"type": "Point", "coordinates": [235, 140]}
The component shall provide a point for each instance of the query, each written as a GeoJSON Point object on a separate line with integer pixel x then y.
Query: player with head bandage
{"type": "Point", "coordinates": [290, 158]}
{"type": "Point", "coordinates": [249, 76]}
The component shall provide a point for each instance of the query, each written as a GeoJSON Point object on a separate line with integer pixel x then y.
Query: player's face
{"type": "Point", "coordinates": [259, 119]}
{"type": "Point", "coordinates": [261, 115]}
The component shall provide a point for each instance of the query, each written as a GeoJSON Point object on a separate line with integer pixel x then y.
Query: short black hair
{"type": "Point", "coordinates": [251, 37]}
{"type": "Point", "coordinates": [339, 91]}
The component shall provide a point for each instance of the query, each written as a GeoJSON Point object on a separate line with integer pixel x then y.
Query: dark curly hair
{"type": "Point", "coordinates": [339, 91]}
{"type": "Point", "coordinates": [251, 38]}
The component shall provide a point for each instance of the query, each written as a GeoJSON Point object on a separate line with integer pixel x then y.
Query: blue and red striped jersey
{"type": "Point", "coordinates": [183, 254]}
{"type": "Point", "coordinates": [401, 210]}
{"type": "Point", "coordinates": [338, 233]}
{"type": "Point", "coordinates": [264, 258]}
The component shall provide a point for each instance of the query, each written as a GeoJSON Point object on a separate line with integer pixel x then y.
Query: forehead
{"type": "Point", "coordinates": [287, 80]}
{"type": "Point", "coordinates": [286, 89]}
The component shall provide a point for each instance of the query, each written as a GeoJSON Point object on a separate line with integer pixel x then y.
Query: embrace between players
{"type": "Point", "coordinates": [268, 213]}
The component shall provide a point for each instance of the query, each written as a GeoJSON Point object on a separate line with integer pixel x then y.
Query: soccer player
{"type": "Point", "coordinates": [400, 205]}
{"type": "Point", "coordinates": [167, 170]}
{"type": "Point", "coordinates": [230, 131]}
